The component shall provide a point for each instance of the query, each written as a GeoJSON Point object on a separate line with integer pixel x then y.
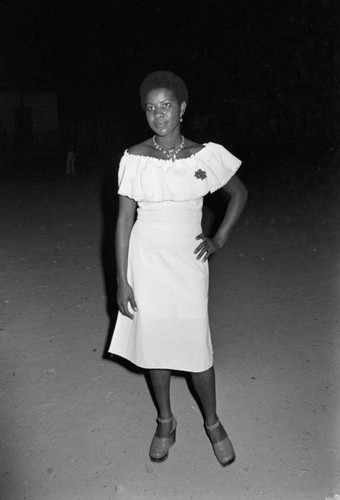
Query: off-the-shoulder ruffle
{"type": "Point", "coordinates": [144, 178]}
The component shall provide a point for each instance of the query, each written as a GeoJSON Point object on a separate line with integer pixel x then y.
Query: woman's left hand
{"type": "Point", "coordinates": [206, 248]}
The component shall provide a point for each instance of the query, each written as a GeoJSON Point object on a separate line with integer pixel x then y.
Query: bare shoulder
{"type": "Point", "coordinates": [141, 149]}
{"type": "Point", "coordinates": [136, 149]}
{"type": "Point", "coordinates": [193, 147]}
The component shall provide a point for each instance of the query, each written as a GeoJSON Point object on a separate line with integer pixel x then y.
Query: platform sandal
{"type": "Point", "coordinates": [159, 449]}
{"type": "Point", "coordinates": [223, 449]}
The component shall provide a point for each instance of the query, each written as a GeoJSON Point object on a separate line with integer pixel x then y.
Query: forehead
{"type": "Point", "coordinates": [159, 95]}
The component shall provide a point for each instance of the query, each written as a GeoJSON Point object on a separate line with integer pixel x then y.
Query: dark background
{"type": "Point", "coordinates": [262, 75]}
{"type": "Point", "coordinates": [262, 78]}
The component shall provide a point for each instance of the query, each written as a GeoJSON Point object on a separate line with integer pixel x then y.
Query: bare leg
{"type": "Point", "coordinates": [160, 380]}
{"type": "Point", "coordinates": [204, 385]}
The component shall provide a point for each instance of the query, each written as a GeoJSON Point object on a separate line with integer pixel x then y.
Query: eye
{"type": "Point", "coordinates": [167, 105]}
{"type": "Point", "coordinates": [148, 107]}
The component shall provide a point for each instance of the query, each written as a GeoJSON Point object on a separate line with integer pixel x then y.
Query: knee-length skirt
{"type": "Point", "coordinates": [170, 330]}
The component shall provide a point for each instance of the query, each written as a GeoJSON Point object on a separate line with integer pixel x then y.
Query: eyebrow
{"type": "Point", "coordinates": [164, 100]}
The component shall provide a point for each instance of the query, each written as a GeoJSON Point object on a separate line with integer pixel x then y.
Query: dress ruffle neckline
{"type": "Point", "coordinates": [144, 178]}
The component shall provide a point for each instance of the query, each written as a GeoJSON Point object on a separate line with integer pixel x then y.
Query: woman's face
{"type": "Point", "coordinates": [163, 112]}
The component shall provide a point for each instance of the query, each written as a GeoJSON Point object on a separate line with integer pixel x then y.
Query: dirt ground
{"type": "Point", "coordinates": [76, 424]}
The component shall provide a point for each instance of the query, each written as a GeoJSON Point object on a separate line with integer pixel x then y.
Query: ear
{"type": "Point", "coordinates": [183, 108]}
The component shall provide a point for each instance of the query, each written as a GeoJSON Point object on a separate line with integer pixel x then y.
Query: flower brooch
{"type": "Point", "coordinates": [200, 174]}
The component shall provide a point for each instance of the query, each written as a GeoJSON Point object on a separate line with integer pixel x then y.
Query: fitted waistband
{"type": "Point", "coordinates": [171, 212]}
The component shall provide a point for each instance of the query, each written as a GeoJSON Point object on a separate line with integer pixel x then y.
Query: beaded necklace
{"type": "Point", "coordinates": [169, 153]}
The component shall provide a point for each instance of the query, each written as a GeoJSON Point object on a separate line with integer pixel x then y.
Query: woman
{"type": "Point", "coordinates": [162, 267]}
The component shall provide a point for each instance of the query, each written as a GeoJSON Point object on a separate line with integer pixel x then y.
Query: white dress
{"type": "Point", "coordinates": [170, 330]}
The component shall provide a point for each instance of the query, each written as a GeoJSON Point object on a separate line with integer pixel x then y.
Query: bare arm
{"type": "Point", "coordinates": [126, 217]}
{"type": "Point", "coordinates": [238, 198]}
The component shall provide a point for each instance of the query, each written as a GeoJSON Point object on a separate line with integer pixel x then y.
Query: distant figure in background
{"type": "Point", "coordinates": [70, 161]}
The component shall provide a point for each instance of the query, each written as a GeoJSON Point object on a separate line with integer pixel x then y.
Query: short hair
{"type": "Point", "coordinates": [163, 80]}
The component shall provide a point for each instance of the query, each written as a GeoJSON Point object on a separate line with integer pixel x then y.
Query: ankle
{"type": "Point", "coordinates": [165, 426]}
{"type": "Point", "coordinates": [164, 418]}
{"type": "Point", "coordinates": [216, 432]}
{"type": "Point", "coordinates": [211, 421]}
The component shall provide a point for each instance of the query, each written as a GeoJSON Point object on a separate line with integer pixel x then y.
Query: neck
{"type": "Point", "coordinates": [170, 141]}
{"type": "Point", "coordinates": [170, 152]}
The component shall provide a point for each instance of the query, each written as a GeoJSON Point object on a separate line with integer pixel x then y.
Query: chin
{"type": "Point", "coordinates": [160, 131]}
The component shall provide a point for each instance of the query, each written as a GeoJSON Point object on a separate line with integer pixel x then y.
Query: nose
{"type": "Point", "coordinates": [159, 111]}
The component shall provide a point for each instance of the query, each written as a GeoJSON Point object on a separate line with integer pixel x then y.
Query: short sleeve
{"type": "Point", "coordinates": [129, 173]}
{"type": "Point", "coordinates": [219, 166]}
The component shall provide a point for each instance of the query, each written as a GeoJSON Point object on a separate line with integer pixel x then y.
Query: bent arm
{"type": "Point", "coordinates": [238, 194]}
{"type": "Point", "coordinates": [238, 198]}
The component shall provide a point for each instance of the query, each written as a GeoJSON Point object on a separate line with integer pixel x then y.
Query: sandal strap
{"type": "Point", "coordinates": [213, 427]}
{"type": "Point", "coordinates": [165, 421]}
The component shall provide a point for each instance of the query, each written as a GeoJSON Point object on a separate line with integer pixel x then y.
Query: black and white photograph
{"type": "Point", "coordinates": [169, 250]}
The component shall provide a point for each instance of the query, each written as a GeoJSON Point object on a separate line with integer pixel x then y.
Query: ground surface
{"type": "Point", "coordinates": [76, 425]}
